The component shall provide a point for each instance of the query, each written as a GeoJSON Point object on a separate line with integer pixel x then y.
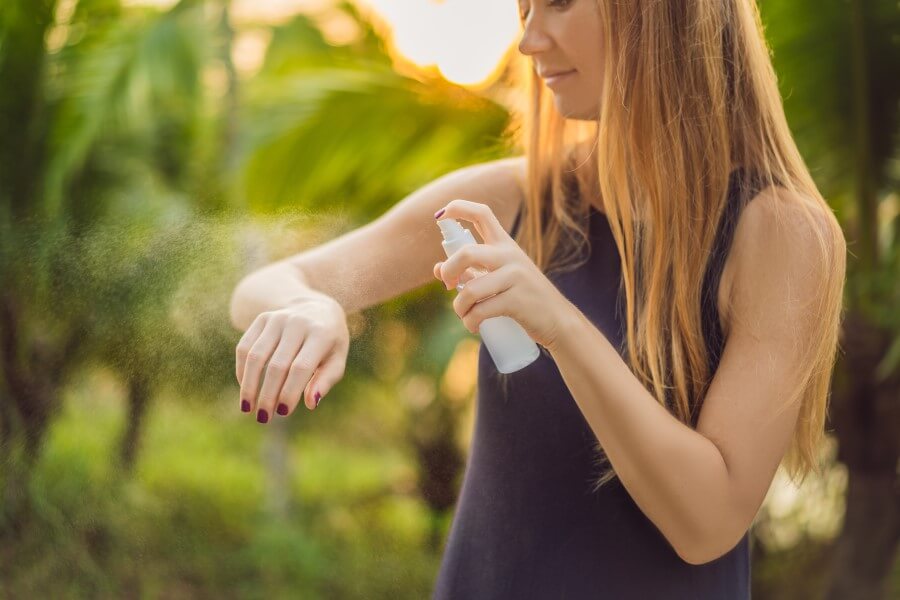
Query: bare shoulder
{"type": "Point", "coordinates": [776, 221]}
{"type": "Point", "coordinates": [783, 243]}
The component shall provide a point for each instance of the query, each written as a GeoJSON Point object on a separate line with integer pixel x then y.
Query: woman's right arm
{"type": "Point", "coordinates": [383, 259]}
{"type": "Point", "coordinates": [376, 262]}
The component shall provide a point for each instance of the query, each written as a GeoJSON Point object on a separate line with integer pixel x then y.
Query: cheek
{"type": "Point", "coordinates": [585, 51]}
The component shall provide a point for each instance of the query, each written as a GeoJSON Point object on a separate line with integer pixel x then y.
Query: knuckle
{"type": "Point", "coordinates": [277, 316]}
{"type": "Point", "coordinates": [316, 328]}
{"type": "Point", "coordinates": [296, 318]}
{"type": "Point", "coordinates": [303, 364]}
{"type": "Point", "coordinates": [254, 357]}
{"type": "Point", "coordinates": [278, 366]}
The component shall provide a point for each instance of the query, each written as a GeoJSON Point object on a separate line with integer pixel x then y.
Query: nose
{"type": "Point", "coordinates": [534, 38]}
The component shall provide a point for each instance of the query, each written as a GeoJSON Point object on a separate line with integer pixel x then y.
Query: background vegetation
{"type": "Point", "coordinates": [146, 164]}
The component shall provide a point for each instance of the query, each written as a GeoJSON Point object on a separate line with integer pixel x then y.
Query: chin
{"type": "Point", "coordinates": [574, 113]}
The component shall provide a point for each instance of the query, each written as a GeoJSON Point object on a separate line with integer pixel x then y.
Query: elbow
{"type": "Point", "coordinates": [709, 546]}
{"type": "Point", "coordinates": [698, 555]}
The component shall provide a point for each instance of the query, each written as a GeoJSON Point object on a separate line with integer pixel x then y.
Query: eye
{"type": "Point", "coordinates": [523, 14]}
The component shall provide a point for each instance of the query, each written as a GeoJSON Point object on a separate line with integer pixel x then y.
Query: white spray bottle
{"type": "Point", "coordinates": [509, 345]}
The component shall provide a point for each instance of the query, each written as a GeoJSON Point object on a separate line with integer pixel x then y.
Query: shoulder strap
{"type": "Point", "coordinates": [742, 187]}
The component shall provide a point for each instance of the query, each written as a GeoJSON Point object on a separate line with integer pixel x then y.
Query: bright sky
{"type": "Point", "coordinates": [464, 39]}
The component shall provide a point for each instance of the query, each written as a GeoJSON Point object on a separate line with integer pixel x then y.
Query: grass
{"type": "Point", "coordinates": [195, 518]}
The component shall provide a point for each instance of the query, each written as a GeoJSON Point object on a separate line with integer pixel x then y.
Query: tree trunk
{"type": "Point", "coordinates": [865, 550]}
{"type": "Point", "coordinates": [865, 413]}
{"type": "Point", "coordinates": [276, 460]}
{"type": "Point", "coordinates": [432, 434]}
{"type": "Point", "coordinates": [31, 397]}
{"type": "Point", "coordinates": [138, 399]}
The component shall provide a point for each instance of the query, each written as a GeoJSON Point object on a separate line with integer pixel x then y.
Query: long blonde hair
{"type": "Point", "coordinates": [689, 92]}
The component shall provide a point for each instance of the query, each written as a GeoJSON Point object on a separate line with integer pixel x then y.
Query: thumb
{"type": "Point", "coordinates": [327, 375]}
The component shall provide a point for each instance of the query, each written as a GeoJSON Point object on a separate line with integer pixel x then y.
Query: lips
{"type": "Point", "coordinates": [555, 73]}
{"type": "Point", "coordinates": [552, 81]}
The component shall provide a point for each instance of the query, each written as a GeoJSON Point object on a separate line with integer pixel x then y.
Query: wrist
{"type": "Point", "coordinates": [314, 296]}
{"type": "Point", "coordinates": [569, 324]}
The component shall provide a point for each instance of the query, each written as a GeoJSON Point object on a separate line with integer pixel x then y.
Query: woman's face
{"type": "Point", "coordinates": [564, 36]}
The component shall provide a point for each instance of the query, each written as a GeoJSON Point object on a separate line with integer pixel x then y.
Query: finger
{"type": "Point", "coordinates": [246, 342]}
{"type": "Point", "coordinates": [494, 306]}
{"type": "Point", "coordinates": [292, 339]}
{"type": "Point", "coordinates": [480, 289]}
{"type": "Point", "coordinates": [257, 358]}
{"type": "Point", "coordinates": [473, 255]}
{"type": "Point", "coordinates": [312, 354]}
{"type": "Point", "coordinates": [328, 374]}
{"type": "Point", "coordinates": [481, 215]}
{"type": "Point", "coordinates": [437, 274]}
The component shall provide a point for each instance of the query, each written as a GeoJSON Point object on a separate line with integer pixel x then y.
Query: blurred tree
{"type": "Point", "coordinates": [338, 129]}
{"type": "Point", "coordinates": [32, 370]}
{"type": "Point", "coordinates": [112, 147]}
{"type": "Point", "coordinates": [840, 62]}
{"type": "Point", "coordinates": [107, 107]}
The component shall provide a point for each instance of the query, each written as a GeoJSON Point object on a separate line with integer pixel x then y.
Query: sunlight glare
{"type": "Point", "coordinates": [465, 39]}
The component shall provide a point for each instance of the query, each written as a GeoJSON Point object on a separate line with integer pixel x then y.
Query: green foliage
{"type": "Point", "coordinates": [141, 175]}
{"type": "Point", "coordinates": [193, 521]}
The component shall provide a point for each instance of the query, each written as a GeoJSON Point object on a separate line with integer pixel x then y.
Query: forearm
{"type": "Point", "coordinates": [676, 475]}
{"type": "Point", "coordinates": [272, 287]}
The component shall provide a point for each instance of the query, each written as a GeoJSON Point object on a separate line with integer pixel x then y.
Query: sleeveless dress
{"type": "Point", "coordinates": [526, 524]}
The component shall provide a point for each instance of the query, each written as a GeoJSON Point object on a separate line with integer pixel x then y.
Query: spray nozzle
{"type": "Point", "coordinates": [451, 229]}
{"type": "Point", "coordinates": [455, 236]}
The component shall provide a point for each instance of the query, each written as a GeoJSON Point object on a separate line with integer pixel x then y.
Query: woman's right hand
{"type": "Point", "coordinates": [305, 345]}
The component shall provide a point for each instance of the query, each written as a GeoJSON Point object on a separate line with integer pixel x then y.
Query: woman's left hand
{"type": "Point", "coordinates": [514, 286]}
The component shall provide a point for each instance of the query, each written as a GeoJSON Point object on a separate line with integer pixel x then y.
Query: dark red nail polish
{"type": "Point", "coordinates": [262, 416]}
{"type": "Point", "coordinates": [282, 409]}
{"type": "Point", "coordinates": [438, 214]}
{"type": "Point", "coordinates": [245, 406]}
{"type": "Point", "coordinates": [318, 398]}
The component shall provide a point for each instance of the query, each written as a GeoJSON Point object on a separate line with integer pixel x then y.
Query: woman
{"type": "Point", "coordinates": [688, 353]}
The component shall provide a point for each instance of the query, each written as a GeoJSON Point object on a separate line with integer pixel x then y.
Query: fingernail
{"type": "Point", "coordinates": [438, 214]}
{"type": "Point", "coordinates": [282, 409]}
{"type": "Point", "coordinates": [318, 398]}
{"type": "Point", "coordinates": [245, 406]}
{"type": "Point", "coordinates": [262, 416]}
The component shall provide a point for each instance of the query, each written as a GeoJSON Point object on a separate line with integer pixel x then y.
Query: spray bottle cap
{"type": "Point", "coordinates": [455, 235]}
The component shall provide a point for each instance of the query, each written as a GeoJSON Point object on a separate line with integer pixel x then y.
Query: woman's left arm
{"type": "Point", "coordinates": [702, 488]}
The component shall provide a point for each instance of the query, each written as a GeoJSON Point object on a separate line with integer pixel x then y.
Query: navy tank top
{"type": "Point", "coordinates": [526, 524]}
